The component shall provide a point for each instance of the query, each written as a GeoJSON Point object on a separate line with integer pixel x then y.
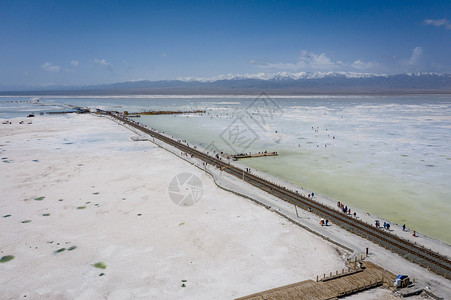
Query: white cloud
{"type": "Point", "coordinates": [319, 62]}
{"type": "Point", "coordinates": [50, 67]}
{"type": "Point", "coordinates": [312, 62]}
{"type": "Point", "coordinates": [416, 56]}
{"type": "Point", "coordinates": [74, 63]}
{"type": "Point", "coordinates": [104, 63]}
{"type": "Point", "coordinates": [438, 23]}
{"type": "Point", "coordinates": [414, 63]}
{"type": "Point", "coordinates": [308, 61]}
{"type": "Point", "coordinates": [361, 65]}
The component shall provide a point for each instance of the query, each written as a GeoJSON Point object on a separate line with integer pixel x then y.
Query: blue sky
{"type": "Point", "coordinates": [46, 43]}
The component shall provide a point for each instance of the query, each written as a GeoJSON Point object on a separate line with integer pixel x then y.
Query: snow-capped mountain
{"type": "Point", "coordinates": [280, 76]}
{"type": "Point", "coordinates": [281, 83]}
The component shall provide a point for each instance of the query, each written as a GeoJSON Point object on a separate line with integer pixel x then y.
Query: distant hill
{"type": "Point", "coordinates": [276, 84]}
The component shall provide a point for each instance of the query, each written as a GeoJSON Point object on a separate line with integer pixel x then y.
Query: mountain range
{"type": "Point", "coordinates": [281, 83]}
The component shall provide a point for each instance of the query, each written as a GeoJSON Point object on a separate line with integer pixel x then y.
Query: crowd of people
{"type": "Point", "coordinates": [345, 209]}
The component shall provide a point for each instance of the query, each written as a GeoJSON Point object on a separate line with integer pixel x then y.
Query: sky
{"type": "Point", "coordinates": [72, 43]}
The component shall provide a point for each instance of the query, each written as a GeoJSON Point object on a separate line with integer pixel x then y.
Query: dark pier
{"type": "Point", "coordinates": [333, 285]}
{"type": "Point", "coordinates": [250, 155]}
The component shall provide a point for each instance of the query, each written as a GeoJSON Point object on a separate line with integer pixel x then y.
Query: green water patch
{"type": "Point", "coordinates": [96, 193]}
{"type": "Point", "coordinates": [81, 207]}
{"type": "Point", "coordinates": [60, 250]}
{"type": "Point", "coordinates": [39, 198]}
{"type": "Point", "coordinates": [71, 248]}
{"type": "Point", "coordinates": [102, 274]}
{"type": "Point", "coordinates": [46, 215]}
{"type": "Point", "coordinates": [6, 258]}
{"type": "Point", "coordinates": [100, 265]}
{"type": "Point", "coordinates": [26, 221]}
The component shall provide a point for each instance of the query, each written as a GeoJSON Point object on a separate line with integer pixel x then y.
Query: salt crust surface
{"type": "Point", "coordinates": [225, 246]}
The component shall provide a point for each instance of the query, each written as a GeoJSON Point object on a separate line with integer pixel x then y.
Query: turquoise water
{"type": "Point", "coordinates": [389, 156]}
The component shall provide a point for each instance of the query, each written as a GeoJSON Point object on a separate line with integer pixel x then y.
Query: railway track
{"type": "Point", "coordinates": [426, 258]}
